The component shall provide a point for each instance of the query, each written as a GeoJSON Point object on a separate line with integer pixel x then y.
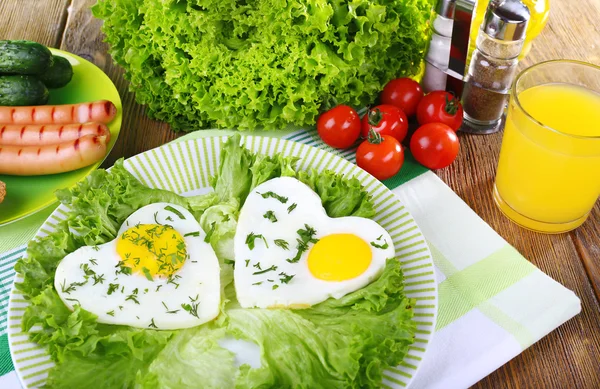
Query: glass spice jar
{"type": "Point", "coordinates": [437, 58]}
{"type": "Point", "coordinates": [493, 66]}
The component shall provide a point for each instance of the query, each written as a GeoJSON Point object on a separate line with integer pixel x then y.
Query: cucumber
{"type": "Point", "coordinates": [59, 74]}
{"type": "Point", "coordinates": [22, 90]}
{"type": "Point", "coordinates": [24, 57]}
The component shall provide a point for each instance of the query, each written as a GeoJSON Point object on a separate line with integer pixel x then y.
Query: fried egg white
{"type": "Point", "coordinates": [289, 253]}
{"type": "Point", "coordinates": [158, 273]}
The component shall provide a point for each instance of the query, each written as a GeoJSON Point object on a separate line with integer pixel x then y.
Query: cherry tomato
{"type": "Point", "coordinates": [440, 107]}
{"type": "Point", "coordinates": [386, 120]}
{"type": "Point", "coordinates": [339, 127]}
{"type": "Point", "coordinates": [404, 93]}
{"type": "Point", "coordinates": [434, 145]}
{"type": "Point", "coordinates": [380, 155]}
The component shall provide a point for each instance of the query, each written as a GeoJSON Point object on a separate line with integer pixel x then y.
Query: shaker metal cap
{"type": "Point", "coordinates": [506, 20]}
{"type": "Point", "coordinates": [446, 8]}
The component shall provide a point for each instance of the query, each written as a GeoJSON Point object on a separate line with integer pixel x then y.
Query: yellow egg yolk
{"type": "Point", "coordinates": [152, 250]}
{"type": "Point", "coordinates": [339, 257]}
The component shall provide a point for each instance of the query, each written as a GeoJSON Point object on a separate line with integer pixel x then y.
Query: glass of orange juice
{"type": "Point", "coordinates": [548, 177]}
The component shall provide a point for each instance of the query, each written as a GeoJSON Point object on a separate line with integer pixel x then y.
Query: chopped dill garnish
{"type": "Point", "coordinates": [252, 237]}
{"type": "Point", "coordinates": [147, 273]}
{"type": "Point", "coordinates": [274, 195]}
{"type": "Point", "coordinates": [271, 216]}
{"type": "Point", "coordinates": [176, 212]}
{"type": "Point", "coordinates": [112, 288]}
{"type": "Point", "coordinates": [272, 268]}
{"type": "Point", "coordinates": [192, 309]}
{"type": "Point", "coordinates": [285, 278]}
{"type": "Point", "coordinates": [98, 279]}
{"type": "Point", "coordinates": [383, 246]}
{"type": "Point", "coordinates": [282, 243]}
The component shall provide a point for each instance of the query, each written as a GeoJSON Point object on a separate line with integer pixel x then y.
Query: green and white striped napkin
{"type": "Point", "coordinates": [493, 303]}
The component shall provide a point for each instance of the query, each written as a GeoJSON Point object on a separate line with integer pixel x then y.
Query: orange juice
{"type": "Point", "coordinates": [548, 175]}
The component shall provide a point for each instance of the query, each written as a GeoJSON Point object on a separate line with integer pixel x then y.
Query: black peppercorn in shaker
{"type": "Point", "coordinates": [493, 65]}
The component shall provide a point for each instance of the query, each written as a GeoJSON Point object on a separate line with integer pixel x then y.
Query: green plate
{"type": "Point", "coordinates": [27, 195]}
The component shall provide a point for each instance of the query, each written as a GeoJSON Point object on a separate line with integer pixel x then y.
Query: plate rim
{"type": "Point", "coordinates": [248, 142]}
{"type": "Point", "coordinates": [118, 120]}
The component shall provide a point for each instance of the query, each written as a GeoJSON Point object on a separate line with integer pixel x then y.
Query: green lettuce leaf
{"type": "Point", "coordinates": [103, 200]}
{"type": "Point", "coordinates": [262, 63]}
{"type": "Point", "coordinates": [345, 343]}
{"type": "Point", "coordinates": [267, 167]}
{"type": "Point", "coordinates": [341, 196]}
{"type": "Point", "coordinates": [43, 255]}
{"type": "Point", "coordinates": [192, 357]}
{"type": "Point", "coordinates": [200, 203]}
{"type": "Point", "coordinates": [220, 222]}
{"type": "Point", "coordinates": [63, 330]}
{"type": "Point", "coordinates": [120, 360]}
{"type": "Point", "coordinates": [234, 178]}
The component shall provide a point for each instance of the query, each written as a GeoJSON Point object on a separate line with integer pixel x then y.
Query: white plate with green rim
{"type": "Point", "coordinates": [185, 168]}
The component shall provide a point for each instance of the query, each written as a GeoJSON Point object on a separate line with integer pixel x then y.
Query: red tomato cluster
{"type": "Point", "coordinates": [383, 128]}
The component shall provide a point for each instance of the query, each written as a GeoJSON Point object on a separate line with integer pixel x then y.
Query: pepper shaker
{"type": "Point", "coordinates": [493, 66]}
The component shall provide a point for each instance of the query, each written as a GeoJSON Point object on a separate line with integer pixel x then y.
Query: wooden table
{"type": "Point", "coordinates": [567, 358]}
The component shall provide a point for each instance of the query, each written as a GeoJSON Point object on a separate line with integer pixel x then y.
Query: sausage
{"type": "Point", "coordinates": [48, 134]}
{"type": "Point", "coordinates": [51, 159]}
{"type": "Point", "coordinates": [102, 111]}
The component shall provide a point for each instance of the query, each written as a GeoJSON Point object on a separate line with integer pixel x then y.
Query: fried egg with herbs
{"type": "Point", "coordinates": [289, 253]}
{"type": "Point", "coordinates": [158, 273]}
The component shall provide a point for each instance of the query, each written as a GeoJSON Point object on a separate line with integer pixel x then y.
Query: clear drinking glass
{"type": "Point", "coordinates": [548, 177]}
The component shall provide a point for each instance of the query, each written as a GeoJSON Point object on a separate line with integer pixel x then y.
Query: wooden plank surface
{"type": "Point", "coordinates": [38, 20]}
{"type": "Point", "coordinates": [568, 357]}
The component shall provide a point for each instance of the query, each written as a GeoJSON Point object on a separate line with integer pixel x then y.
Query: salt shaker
{"type": "Point", "coordinates": [446, 55]}
{"type": "Point", "coordinates": [437, 58]}
{"type": "Point", "coordinates": [493, 66]}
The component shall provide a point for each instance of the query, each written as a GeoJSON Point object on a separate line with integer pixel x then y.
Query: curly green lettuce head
{"type": "Point", "coordinates": [263, 63]}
